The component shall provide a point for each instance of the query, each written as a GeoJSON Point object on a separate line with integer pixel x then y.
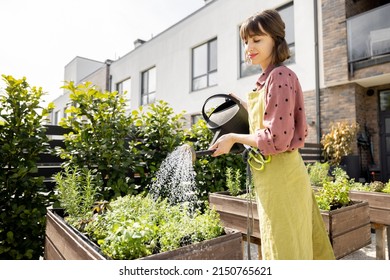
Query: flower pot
{"type": "Point", "coordinates": [63, 242]}
{"type": "Point", "coordinates": [348, 227]}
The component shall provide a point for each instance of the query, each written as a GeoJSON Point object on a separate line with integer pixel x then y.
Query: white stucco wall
{"type": "Point", "coordinates": [170, 53]}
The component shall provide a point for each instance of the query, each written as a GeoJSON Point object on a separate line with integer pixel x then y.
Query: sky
{"type": "Point", "coordinates": [39, 37]}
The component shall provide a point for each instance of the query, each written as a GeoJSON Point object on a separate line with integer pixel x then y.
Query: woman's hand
{"type": "Point", "coordinates": [223, 145]}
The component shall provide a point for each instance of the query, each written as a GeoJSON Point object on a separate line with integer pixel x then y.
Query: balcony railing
{"type": "Point", "coordinates": [369, 37]}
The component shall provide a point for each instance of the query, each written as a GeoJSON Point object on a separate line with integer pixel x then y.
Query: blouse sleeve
{"type": "Point", "coordinates": [284, 119]}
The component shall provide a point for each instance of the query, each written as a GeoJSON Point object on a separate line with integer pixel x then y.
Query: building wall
{"type": "Point", "coordinates": [170, 53]}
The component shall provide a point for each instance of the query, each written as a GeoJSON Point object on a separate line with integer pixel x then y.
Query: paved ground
{"type": "Point", "coordinates": [366, 253]}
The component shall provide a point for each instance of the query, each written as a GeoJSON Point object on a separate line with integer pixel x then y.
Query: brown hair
{"type": "Point", "coordinates": [270, 22]}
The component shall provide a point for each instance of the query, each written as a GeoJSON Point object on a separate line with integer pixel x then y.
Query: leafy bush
{"type": "Point", "coordinates": [23, 196]}
{"type": "Point", "coordinates": [210, 171]}
{"type": "Point", "coordinates": [138, 226]}
{"type": "Point", "coordinates": [158, 131]}
{"type": "Point", "coordinates": [99, 138]}
{"type": "Point", "coordinates": [334, 193]}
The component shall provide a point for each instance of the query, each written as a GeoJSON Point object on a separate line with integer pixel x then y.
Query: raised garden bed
{"type": "Point", "coordinates": [349, 227]}
{"type": "Point", "coordinates": [63, 242]}
{"type": "Point", "coordinates": [379, 204]}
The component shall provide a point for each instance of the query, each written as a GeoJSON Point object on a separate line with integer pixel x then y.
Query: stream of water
{"type": "Point", "coordinates": [175, 179]}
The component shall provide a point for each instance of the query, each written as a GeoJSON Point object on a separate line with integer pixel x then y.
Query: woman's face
{"type": "Point", "coordinates": [259, 49]}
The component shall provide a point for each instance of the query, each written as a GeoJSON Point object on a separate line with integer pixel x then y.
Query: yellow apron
{"type": "Point", "coordinates": [291, 226]}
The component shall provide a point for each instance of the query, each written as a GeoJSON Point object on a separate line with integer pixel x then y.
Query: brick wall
{"type": "Point", "coordinates": [334, 41]}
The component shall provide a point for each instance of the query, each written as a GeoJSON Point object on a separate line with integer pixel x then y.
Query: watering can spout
{"type": "Point", "coordinates": [196, 154]}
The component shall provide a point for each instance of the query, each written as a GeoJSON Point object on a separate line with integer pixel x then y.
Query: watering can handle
{"type": "Point", "coordinates": [206, 118]}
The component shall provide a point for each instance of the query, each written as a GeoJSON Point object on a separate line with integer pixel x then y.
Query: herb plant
{"type": "Point", "coordinates": [77, 193]}
{"type": "Point", "coordinates": [334, 193]}
{"type": "Point", "coordinates": [137, 226]}
{"type": "Point", "coordinates": [318, 173]}
{"type": "Point", "coordinates": [233, 181]}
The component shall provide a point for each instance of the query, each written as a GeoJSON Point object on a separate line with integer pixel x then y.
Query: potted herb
{"type": "Point", "coordinates": [132, 226]}
{"type": "Point", "coordinates": [347, 221]}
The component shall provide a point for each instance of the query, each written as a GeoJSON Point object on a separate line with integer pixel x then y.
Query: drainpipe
{"type": "Point", "coordinates": [317, 74]}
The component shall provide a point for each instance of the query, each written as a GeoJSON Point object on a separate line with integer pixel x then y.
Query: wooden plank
{"type": "Point", "coordinates": [379, 204]}
{"type": "Point", "coordinates": [351, 241]}
{"type": "Point", "coordinates": [56, 130]}
{"type": "Point", "coordinates": [227, 247]}
{"type": "Point", "coordinates": [239, 223]}
{"type": "Point", "coordinates": [51, 252]}
{"type": "Point", "coordinates": [230, 204]}
{"type": "Point", "coordinates": [380, 246]}
{"type": "Point", "coordinates": [344, 221]}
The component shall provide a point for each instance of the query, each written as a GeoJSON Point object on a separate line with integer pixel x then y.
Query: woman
{"type": "Point", "coordinates": [291, 225]}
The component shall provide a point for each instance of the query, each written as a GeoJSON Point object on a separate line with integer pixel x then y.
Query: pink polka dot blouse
{"type": "Point", "coordinates": [284, 121]}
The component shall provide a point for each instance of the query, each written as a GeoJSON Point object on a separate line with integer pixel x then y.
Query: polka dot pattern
{"type": "Point", "coordinates": [284, 118]}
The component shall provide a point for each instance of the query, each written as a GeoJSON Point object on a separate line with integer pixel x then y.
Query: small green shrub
{"type": "Point", "coordinates": [158, 131]}
{"type": "Point", "coordinates": [99, 138]}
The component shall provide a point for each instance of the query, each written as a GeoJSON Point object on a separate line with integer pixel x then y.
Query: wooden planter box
{"type": "Point", "coordinates": [63, 242]}
{"type": "Point", "coordinates": [379, 204]}
{"type": "Point", "coordinates": [349, 227]}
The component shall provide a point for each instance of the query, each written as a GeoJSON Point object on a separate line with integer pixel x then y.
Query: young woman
{"type": "Point", "coordinates": [291, 225]}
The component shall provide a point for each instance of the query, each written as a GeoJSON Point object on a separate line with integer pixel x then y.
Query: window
{"type": "Point", "coordinates": [57, 117]}
{"type": "Point", "coordinates": [124, 89]}
{"type": "Point", "coordinates": [287, 14]}
{"type": "Point", "coordinates": [204, 65]}
{"type": "Point", "coordinates": [148, 89]}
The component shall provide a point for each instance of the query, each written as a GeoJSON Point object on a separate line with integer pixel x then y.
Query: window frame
{"type": "Point", "coordinates": [209, 71]}
{"type": "Point", "coordinates": [146, 92]}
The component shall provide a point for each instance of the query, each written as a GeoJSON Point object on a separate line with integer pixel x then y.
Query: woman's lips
{"type": "Point", "coordinates": [252, 56]}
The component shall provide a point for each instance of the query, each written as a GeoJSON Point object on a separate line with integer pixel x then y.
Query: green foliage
{"type": "Point", "coordinates": [137, 226]}
{"type": "Point", "coordinates": [99, 137]}
{"type": "Point", "coordinates": [23, 196]}
{"type": "Point", "coordinates": [158, 131]}
{"type": "Point", "coordinates": [318, 173]}
{"type": "Point", "coordinates": [77, 193]}
{"type": "Point", "coordinates": [386, 189]}
{"type": "Point", "coordinates": [233, 181]}
{"type": "Point", "coordinates": [334, 193]}
{"type": "Point", "coordinates": [375, 186]}
{"type": "Point", "coordinates": [210, 171]}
